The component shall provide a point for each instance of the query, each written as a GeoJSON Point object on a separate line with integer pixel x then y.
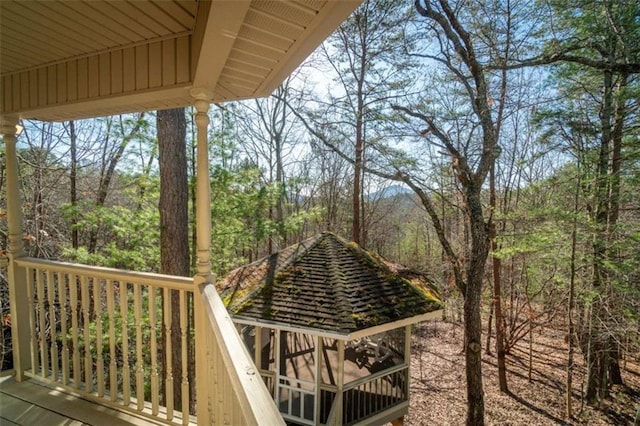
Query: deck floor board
{"type": "Point", "coordinates": [31, 403]}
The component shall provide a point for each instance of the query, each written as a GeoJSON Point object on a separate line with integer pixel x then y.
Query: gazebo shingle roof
{"type": "Point", "coordinates": [327, 284]}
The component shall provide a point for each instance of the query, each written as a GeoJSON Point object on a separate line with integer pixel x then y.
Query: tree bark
{"type": "Point", "coordinates": [604, 366]}
{"type": "Point", "coordinates": [472, 297]}
{"type": "Point", "coordinates": [73, 196]}
{"type": "Point", "coordinates": [174, 225]}
{"type": "Point", "coordinates": [571, 303]}
{"type": "Point", "coordinates": [497, 290]}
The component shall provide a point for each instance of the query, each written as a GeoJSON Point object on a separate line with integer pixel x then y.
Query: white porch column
{"type": "Point", "coordinates": [203, 342]}
{"type": "Point", "coordinates": [203, 185]}
{"type": "Point", "coordinates": [16, 276]}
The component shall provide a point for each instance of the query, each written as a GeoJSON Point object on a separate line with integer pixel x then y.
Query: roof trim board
{"type": "Point", "coordinates": [223, 20]}
{"type": "Point", "coordinates": [329, 18]}
{"type": "Point", "coordinates": [341, 336]}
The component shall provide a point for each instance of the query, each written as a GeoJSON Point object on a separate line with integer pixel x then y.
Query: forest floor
{"type": "Point", "coordinates": [438, 392]}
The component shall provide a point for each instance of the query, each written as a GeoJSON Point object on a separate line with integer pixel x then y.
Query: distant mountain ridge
{"type": "Point", "coordinates": [388, 192]}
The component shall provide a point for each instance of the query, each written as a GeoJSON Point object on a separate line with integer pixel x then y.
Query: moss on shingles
{"type": "Point", "coordinates": [236, 295]}
{"type": "Point", "coordinates": [371, 290]}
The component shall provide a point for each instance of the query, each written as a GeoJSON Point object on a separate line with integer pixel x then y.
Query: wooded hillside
{"type": "Point", "coordinates": [494, 146]}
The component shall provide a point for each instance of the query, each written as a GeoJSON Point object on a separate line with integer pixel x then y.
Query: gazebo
{"type": "Point", "coordinates": [329, 325]}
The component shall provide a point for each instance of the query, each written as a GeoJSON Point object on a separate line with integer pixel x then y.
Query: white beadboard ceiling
{"type": "Point", "coordinates": [66, 59]}
{"type": "Point", "coordinates": [34, 33]}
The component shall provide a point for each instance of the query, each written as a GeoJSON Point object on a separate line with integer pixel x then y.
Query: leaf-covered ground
{"type": "Point", "coordinates": [438, 394]}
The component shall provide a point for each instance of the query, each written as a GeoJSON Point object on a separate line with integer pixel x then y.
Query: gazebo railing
{"type": "Point", "coordinates": [115, 337]}
{"type": "Point", "coordinates": [371, 395]}
{"type": "Point", "coordinates": [364, 398]}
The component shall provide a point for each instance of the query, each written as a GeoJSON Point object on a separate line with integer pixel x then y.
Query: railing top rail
{"type": "Point", "coordinates": [148, 278]}
{"type": "Point", "coordinates": [258, 405]}
{"type": "Point", "coordinates": [365, 379]}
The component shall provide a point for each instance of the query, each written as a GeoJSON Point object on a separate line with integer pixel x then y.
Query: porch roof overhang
{"type": "Point", "coordinates": [69, 59]}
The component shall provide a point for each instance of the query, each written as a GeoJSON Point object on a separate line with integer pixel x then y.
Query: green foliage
{"type": "Point", "coordinates": [116, 337]}
{"type": "Point", "coordinates": [242, 219]}
{"type": "Point", "coordinates": [131, 236]}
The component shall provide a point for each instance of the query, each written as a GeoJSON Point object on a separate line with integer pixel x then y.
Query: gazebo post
{"type": "Point", "coordinates": [407, 361]}
{"type": "Point", "coordinates": [317, 340]}
{"type": "Point", "coordinates": [257, 343]}
{"type": "Point", "coordinates": [340, 382]}
{"type": "Point", "coordinates": [17, 279]}
{"type": "Point", "coordinates": [407, 346]}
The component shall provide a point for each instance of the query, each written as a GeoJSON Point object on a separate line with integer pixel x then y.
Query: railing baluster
{"type": "Point", "coordinates": [377, 389]}
{"type": "Point", "coordinates": [124, 314]}
{"type": "Point", "coordinates": [52, 326]}
{"type": "Point", "coordinates": [185, 358]}
{"type": "Point", "coordinates": [32, 319]}
{"type": "Point", "coordinates": [86, 321]}
{"type": "Point", "coordinates": [387, 390]}
{"type": "Point", "coordinates": [225, 385]}
{"type": "Point", "coordinates": [74, 296]}
{"type": "Point", "coordinates": [73, 290]}
{"type": "Point", "coordinates": [97, 307]}
{"type": "Point", "coordinates": [44, 353]}
{"type": "Point", "coordinates": [365, 400]}
{"type": "Point", "coordinates": [155, 390]}
{"type": "Point", "coordinates": [168, 386]}
{"type": "Point", "coordinates": [137, 308]}
{"type": "Point", "coordinates": [211, 375]}
{"type": "Point", "coordinates": [113, 365]}
{"type": "Point", "coordinates": [374, 395]}
{"type": "Point", "coordinates": [62, 299]}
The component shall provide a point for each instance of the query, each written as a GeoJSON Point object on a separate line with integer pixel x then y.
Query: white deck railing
{"type": "Point", "coordinates": [110, 336]}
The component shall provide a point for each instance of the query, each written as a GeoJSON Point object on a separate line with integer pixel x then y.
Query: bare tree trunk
{"type": "Point", "coordinates": [497, 290]}
{"type": "Point", "coordinates": [357, 174]}
{"type": "Point", "coordinates": [73, 151]}
{"type": "Point", "coordinates": [617, 134]}
{"type": "Point", "coordinates": [571, 327]}
{"type": "Point", "coordinates": [497, 284]}
{"type": "Point", "coordinates": [110, 162]}
{"type": "Point", "coordinates": [487, 348]}
{"type": "Point", "coordinates": [472, 320]}
{"type": "Point", "coordinates": [604, 349]}
{"type": "Point", "coordinates": [174, 225]}
{"type": "Point", "coordinates": [530, 372]}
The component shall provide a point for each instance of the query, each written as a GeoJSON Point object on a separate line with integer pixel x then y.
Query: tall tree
{"type": "Point", "coordinates": [598, 43]}
{"type": "Point", "coordinates": [73, 176]}
{"type": "Point", "coordinates": [266, 126]}
{"type": "Point", "coordinates": [365, 57]}
{"type": "Point", "coordinates": [174, 225]}
{"type": "Point", "coordinates": [120, 131]}
{"type": "Point", "coordinates": [467, 43]}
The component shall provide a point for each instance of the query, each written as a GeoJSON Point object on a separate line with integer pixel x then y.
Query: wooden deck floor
{"type": "Point", "coordinates": [31, 403]}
